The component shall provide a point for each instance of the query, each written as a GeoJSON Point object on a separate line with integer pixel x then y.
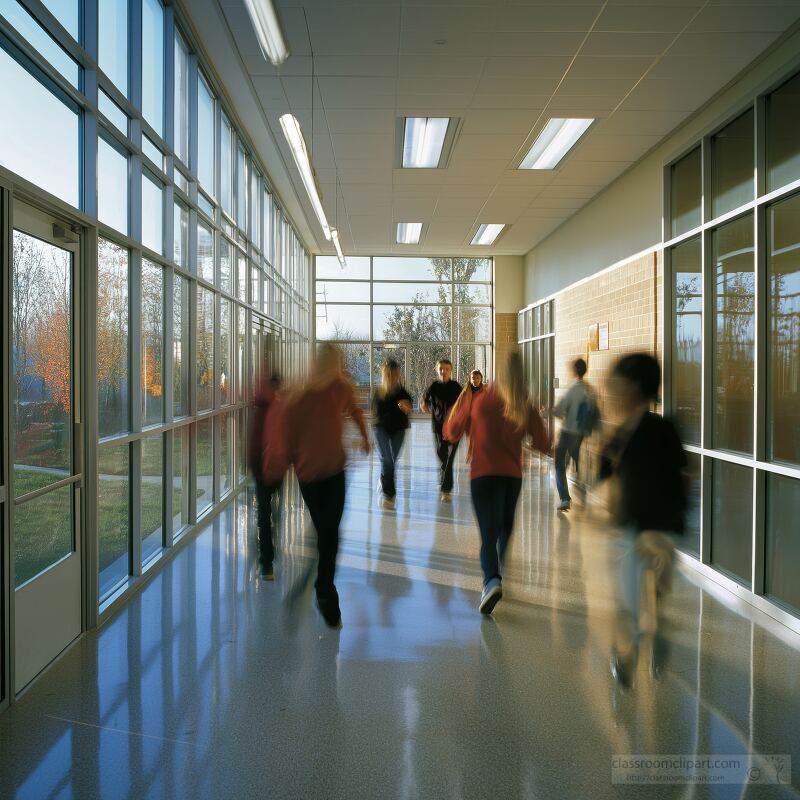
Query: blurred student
{"type": "Point", "coordinates": [314, 426]}
{"type": "Point", "coordinates": [438, 400]}
{"type": "Point", "coordinates": [266, 455]}
{"type": "Point", "coordinates": [646, 464]}
{"type": "Point", "coordinates": [579, 413]}
{"type": "Point", "coordinates": [498, 419]}
{"type": "Point", "coordinates": [475, 380]}
{"type": "Point", "coordinates": [391, 405]}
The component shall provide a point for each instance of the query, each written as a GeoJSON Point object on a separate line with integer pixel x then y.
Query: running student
{"type": "Point", "coordinates": [391, 405]}
{"type": "Point", "coordinates": [439, 399]}
{"type": "Point", "coordinates": [578, 410]}
{"type": "Point", "coordinates": [498, 419]}
{"type": "Point", "coordinates": [267, 461]}
{"type": "Point", "coordinates": [314, 420]}
{"type": "Point", "coordinates": [646, 461]}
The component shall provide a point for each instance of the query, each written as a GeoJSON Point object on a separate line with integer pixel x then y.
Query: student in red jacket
{"type": "Point", "coordinates": [498, 419]}
{"type": "Point", "coordinates": [314, 425]}
{"type": "Point", "coordinates": [267, 461]}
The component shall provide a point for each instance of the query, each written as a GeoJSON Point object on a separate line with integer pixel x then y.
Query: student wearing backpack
{"type": "Point", "coordinates": [579, 414]}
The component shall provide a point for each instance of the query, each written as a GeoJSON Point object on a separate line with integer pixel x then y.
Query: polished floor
{"type": "Point", "coordinates": [204, 686]}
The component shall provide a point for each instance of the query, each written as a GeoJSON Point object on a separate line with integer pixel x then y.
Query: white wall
{"type": "Point", "coordinates": [509, 283]}
{"type": "Point", "coordinates": [625, 218]}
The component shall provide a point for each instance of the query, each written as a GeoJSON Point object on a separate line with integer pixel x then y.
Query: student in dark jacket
{"type": "Point", "coordinates": [646, 465]}
{"type": "Point", "coordinates": [439, 399]}
{"type": "Point", "coordinates": [498, 419]}
{"type": "Point", "coordinates": [391, 405]}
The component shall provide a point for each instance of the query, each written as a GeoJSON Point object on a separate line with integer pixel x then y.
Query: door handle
{"type": "Point", "coordinates": [77, 448]}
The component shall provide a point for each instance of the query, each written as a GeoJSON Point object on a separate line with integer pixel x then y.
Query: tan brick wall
{"type": "Point", "coordinates": [629, 299]}
{"type": "Point", "coordinates": [505, 331]}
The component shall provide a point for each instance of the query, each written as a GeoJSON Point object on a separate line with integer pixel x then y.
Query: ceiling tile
{"type": "Point", "coordinates": [610, 43]}
{"type": "Point", "coordinates": [636, 18]}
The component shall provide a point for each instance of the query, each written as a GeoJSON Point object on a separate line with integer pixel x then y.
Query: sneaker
{"type": "Point", "coordinates": [266, 572]}
{"type": "Point", "coordinates": [446, 497]}
{"type": "Point", "coordinates": [622, 669]}
{"type": "Point", "coordinates": [387, 502]}
{"type": "Point", "coordinates": [564, 505]}
{"type": "Point", "coordinates": [492, 593]}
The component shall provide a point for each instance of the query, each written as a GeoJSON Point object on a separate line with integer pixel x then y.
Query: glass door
{"type": "Point", "coordinates": [46, 443]}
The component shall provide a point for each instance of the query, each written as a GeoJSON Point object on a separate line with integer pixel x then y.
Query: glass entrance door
{"type": "Point", "coordinates": [45, 442]}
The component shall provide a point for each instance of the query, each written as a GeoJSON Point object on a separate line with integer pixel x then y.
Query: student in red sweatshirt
{"type": "Point", "coordinates": [498, 419]}
{"type": "Point", "coordinates": [267, 460]}
{"type": "Point", "coordinates": [314, 425]}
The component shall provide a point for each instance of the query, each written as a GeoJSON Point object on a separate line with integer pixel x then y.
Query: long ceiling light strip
{"type": "Point", "coordinates": [338, 248]}
{"type": "Point", "coordinates": [408, 232]}
{"type": "Point", "coordinates": [557, 138]}
{"type": "Point", "coordinates": [268, 30]}
{"type": "Point", "coordinates": [487, 233]}
{"type": "Point", "coordinates": [423, 141]}
{"type": "Point", "coordinates": [294, 136]}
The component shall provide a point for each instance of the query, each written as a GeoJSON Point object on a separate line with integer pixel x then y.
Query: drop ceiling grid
{"type": "Point", "coordinates": [503, 68]}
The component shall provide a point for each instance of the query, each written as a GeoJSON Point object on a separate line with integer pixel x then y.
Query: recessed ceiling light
{"type": "Point", "coordinates": [408, 232]}
{"type": "Point", "coordinates": [268, 30]}
{"type": "Point", "coordinates": [487, 233]}
{"type": "Point", "coordinates": [423, 141]}
{"type": "Point", "coordinates": [554, 142]}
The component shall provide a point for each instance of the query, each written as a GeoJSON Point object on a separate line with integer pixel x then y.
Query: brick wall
{"type": "Point", "coordinates": [629, 299]}
{"type": "Point", "coordinates": [505, 330]}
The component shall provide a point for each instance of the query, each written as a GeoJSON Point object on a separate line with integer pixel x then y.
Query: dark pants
{"type": "Point", "coordinates": [447, 455]}
{"type": "Point", "coordinates": [495, 500]}
{"type": "Point", "coordinates": [569, 446]}
{"type": "Point", "coordinates": [389, 446]}
{"type": "Point", "coordinates": [325, 502]}
{"type": "Point", "coordinates": [266, 497]}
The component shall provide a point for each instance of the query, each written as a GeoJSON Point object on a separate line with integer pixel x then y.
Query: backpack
{"type": "Point", "coordinates": [588, 415]}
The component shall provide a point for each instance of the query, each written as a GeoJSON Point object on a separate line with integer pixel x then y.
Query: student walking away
{"type": "Point", "coordinates": [391, 405]}
{"type": "Point", "coordinates": [314, 423]}
{"type": "Point", "coordinates": [439, 399]}
{"type": "Point", "coordinates": [646, 464]}
{"type": "Point", "coordinates": [267, 461]}
{"type": "Point", "coordinates": [580, 416]}
{"type": "Point", "coordinates": [498, 418]}
{"type": "Point", "coordinates": [475, 380]}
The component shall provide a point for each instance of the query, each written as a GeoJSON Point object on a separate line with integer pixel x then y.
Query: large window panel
{"type": "Point", "coordinates": [411, 323]}
{"type": "Point", "coordinates": [205, 465]}
{"type": "Point", "coordinates": [112, 185]}
{"type": "Point", "coordinates": [686, 193]}
{"type": "Point", "coordinates": [67, 12]}
{"type": "Point", "coordinates": [733, 352]}
{"type": "Point", "coordinates": [180, 347]}
{"type": "Point", "coordinates": [783, 144]}
{"type": "Point", "coordinates": [416, 269]}
{"type": "Point", "coordinates": [341, 322]}
{"type": "Point", "coordinates": [112, 338]}
{"type": "Point", "coordinates": [181, 107]}
{"type": "Point", "coordinates": [152, 213]}
{"type": "Point", "coordinates": [226, 351]}
{"type": "Point", "coordinates": [152, 491]}
{"type": "Point", "coordinates": [205, 349]}
{"type": "Point", "coordinates": [152, 349]}
{"type": "Point", "coordinates": [226, 167]}
{"type": "Point", "coordinates": [27, 146]}
{"type": "Point", "coordinates": [205, 252]}
{"type": "Point", "coordinates": [783, 360]}
{"type": "Point", "coordinates": [180, 246]}
{"type": "Point", "coordinates": [690, 541]}
{"type": "Point", "coordinates": [687, 342]}
{"type": "Point", "coordinates": [241, 188]}
{"type": "Point", "coordinates": [783, 541]}
{"type": "Point", "coordinates": [180, 478]}
{"type": "Point", "coordinates": [732, 165]}
{"type": "Point", "coordinates": [732, 520]}
{"type": "Point", "coordinates": [226, 453]}
{"type": "Point", "coordinates": [241, 352]}
{"type": "Point", "coordinates": [153, 64]}
{"type": "Point", "coordinates": [113, 516]}
{"type": "Point", "coordinates": [206, 135]}
{"type": "Point", "coordinates": [112, 41]}
{"type": "Point", "coordinates": [471, 269]}
{"type": "Point", "coordinates": [400, 292]}
{"type": "Point", "coordinates": [474, 324]}
{"type": "Point", "coordinates": [225, 265]}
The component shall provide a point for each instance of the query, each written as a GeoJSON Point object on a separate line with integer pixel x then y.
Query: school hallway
{"type": "Point", "coordinates": [203, 686]}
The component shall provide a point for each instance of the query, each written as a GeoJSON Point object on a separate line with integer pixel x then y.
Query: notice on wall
{"type": "Point", "coordinates": [592, 340]}
{"type": "Point", "coordinates": [602, 336]}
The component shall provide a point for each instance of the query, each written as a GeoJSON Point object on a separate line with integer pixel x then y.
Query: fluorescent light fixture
{"type": "Point", "coordinates": [423, 141]}
{"type": "Point", "coordinates": [408, 232]}
{"type": "Point", "coordinates": [268, 30]}
{"type": "Point", "coordinates": [339, 254]}
{"type": "Point", "coordinates": [487, 233]}
{"type": "Point", "coordinates": [557, 138]}
{"type": "Point", "coordinates": [293, 134]}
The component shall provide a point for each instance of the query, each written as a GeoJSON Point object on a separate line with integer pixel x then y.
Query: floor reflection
{"type": "Point", "coordinates": [203, 687]}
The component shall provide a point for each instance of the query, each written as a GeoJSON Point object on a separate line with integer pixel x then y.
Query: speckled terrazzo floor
{"type": "Point", "coordinates": [203, 687]}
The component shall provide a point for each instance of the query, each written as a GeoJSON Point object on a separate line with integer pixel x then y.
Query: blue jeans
{"type": "Point", "coordinates": [569, 446]}
{"type": "Point", "coordinates": [495, 500]}
{"type": "Point", "coordinates": [389, 445]}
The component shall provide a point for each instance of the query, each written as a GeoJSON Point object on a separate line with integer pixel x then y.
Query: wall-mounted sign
{"type": "Point", "coordinates": [602, 336]}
